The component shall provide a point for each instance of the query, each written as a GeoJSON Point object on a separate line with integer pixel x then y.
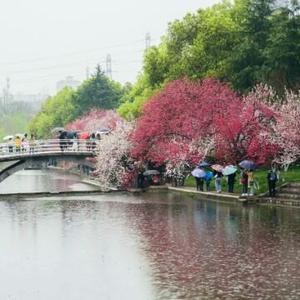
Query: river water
{"type": "Point", "coordinates": [147, 246]}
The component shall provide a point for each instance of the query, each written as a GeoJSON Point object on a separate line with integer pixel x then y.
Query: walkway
{"type": "Point", "coordinates": [212, 195]}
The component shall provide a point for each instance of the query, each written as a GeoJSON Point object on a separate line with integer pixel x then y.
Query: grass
{"type": "Point", "coordinates": [260, 175]}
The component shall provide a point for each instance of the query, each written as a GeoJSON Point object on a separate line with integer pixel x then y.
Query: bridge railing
{"type": "Point", "coordinates": [48, 146]}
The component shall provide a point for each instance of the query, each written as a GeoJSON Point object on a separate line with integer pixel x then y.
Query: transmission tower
{"type": "Point", "coordinates": [148, 40]}
{"type": "Point", "coordinates": [87, 72]}
{"type": "Point", "coordinates": [108, 66]}
{"type": "Point", "coordinates": [6, 92]}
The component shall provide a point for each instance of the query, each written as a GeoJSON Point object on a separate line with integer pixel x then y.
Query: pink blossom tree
{"type": "Point", "coordinates": [178, 124]}
{"type": "Point", "coordinates": [95, 120]}
{"type": "Point", "coordinates": [239, 135]}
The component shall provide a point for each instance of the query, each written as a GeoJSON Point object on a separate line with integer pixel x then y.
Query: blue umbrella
{"type": "Point", "coordinates": [247, 164]}
{"type": "Point", "coordinates": [199, 173]}
{"type": "Point", "coordinates": [203, 164]}
{"type": "Point", "coordinates": [209, 175]}
{"type": "Point", "coordinates": [228, 170]}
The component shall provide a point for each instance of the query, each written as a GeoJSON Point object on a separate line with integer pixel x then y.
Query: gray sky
{"type": "Point", "coordinates": [43, 41]}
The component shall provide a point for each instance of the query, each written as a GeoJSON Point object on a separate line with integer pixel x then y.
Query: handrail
{"type": "Point", "coordinates": [48, 146]}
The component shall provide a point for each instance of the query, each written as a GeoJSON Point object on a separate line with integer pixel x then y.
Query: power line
{"type": "Point", "coordinates": [68, 54]}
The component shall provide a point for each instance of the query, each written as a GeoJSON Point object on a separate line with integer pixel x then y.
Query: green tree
{"type": "Point", "coordinates": [56, 112]}
{"type": "Point", "coordinates": [97, 92]}
{"type": "Point", "coordinates": [282, 54]}
{"type": "Point", "coordinates": [68, 104]}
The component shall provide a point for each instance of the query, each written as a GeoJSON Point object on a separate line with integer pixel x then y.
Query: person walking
{"type": "Point", "coordinates": [218, 181]}
{"type": "Point", "coordinates": [244, 182]}
{"type": "Point", "coordinates": [25, 143]}
{"type": "Point", "coordinates": [31, 144]}
{"type": "Point", "coordinates": [208, 177]}
{"type": "Point", "coordinates": [199, 184]}
{"type": "Point", "coordinates": [10, 145]}
{"type": "Point", "coordinates": [272, 177]}
{"type": "Point", "coordinates": [18, 143]}
{"type": "Point", "coordinates": [231, 181]}
{"type": "Point", "coordinates": [251, 183]}
{"type": "Point", "coordinates": [62, 140]}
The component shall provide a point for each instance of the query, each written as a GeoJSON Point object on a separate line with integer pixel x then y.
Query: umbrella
{"type": "Point", "coordinates": [103, 131]}
{"type": "Point", "coordinates": [199, 173]}
{"type": "Point", "coordinates": [217, 168]}
{"type": "Point", "coordinates": [209, 175]}
{"type": "Point", "coordinates": [57, 129]}
{"type": "Point", "coordinates": [84, 135]}
{"type": "Point", "coordinates": [247, 165]}
{"type": "Point", "coordinates": [228, 170]}
{"type": "Point", "coordinates": [151, 172]}
{"type": "Point", "coordinates": [71, 134]}
{"type": "Point", "coordinates": [8, 137]}
{"type": "Point", "coordinates": [203, 164]}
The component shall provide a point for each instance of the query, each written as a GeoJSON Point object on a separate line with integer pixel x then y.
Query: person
{"type": "Point", "coordinates": [199, 184]}
{"type": "Point", "coordinates": [93, 141]}
{"type": "Point", "coordinates": [272, 177]}
{"type": "Point", "coordinates": [244, 182]}
{"type": "Point", "coordinates": [208, 176]}
{"type": "Point", "coordinates": [18, 143]}
{"type": "Point", "coordinates": [31, 143]}
{"type": "Point", "coordinates": [10, 145]}
{"type": "Point", "coordinates": [62, 137]}
{"type": "Point", "coordinates": [231, 181]}
{"type": "Point", "coordinates": [251, 182]}
{"type": "Point", "coordinates": [25, 143]}
{"type": "Point", "coordinates": [218, 180]}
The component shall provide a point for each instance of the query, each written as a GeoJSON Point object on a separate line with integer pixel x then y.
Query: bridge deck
{"type": "Point", "coordinates": [48, 148]}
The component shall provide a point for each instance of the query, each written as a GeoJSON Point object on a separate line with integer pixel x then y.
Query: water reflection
{"type": "Point", "coordinates": [151, 246]}
{"type": "Point", "coordinates": [28, 181]}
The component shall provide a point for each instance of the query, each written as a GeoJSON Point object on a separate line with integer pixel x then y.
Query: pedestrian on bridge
{"type": "Point", "coordinates": [25, 143]}
{"type": "Point", "coordinates": [31, 144]}
{"type": "Point", "coordinates": [18, 143]}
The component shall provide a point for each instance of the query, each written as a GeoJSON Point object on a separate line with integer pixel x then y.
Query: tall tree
{"type": "Point", "coordinates": [282, 53]}
{"type": "Point", "coordinates": [97, 92]}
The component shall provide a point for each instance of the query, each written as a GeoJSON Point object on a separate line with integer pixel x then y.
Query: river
{"type": "Point", "coordinates": [146, 246]}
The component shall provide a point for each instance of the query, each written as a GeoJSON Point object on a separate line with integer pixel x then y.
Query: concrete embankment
{"type": "Point", "coordinates": [211, 196]}
{"type": "Point", "coordinates": [17, 196]}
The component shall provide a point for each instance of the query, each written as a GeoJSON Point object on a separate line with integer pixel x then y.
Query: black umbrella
{"type": "Point", "coordinates": [151, 172]}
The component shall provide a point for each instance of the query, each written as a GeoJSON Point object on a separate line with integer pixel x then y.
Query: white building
{"type": "Point", "coordinates": [68, 82]}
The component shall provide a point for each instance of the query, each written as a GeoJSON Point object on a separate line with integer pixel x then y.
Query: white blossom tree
{"type": "Point", "coordinates": [114, 161]}
{"type": "Point", "coordinates": [287, 130]}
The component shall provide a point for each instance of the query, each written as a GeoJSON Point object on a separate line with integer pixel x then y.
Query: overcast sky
{"type": "Point", "coordinates": [43, 41]}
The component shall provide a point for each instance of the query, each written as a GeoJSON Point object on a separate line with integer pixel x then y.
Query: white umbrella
{"type": "Point", "coordinates": [8, 137]}
{"type": "Point", "coordinates": [199, 173]}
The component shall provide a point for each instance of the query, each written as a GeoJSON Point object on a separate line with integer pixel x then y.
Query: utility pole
{"type": "Point", "coordinates": [108, 66]}
{"type": "Point", "coordinates": [6, 93]}
{"type": "Point", "coordinates": [148, 40]}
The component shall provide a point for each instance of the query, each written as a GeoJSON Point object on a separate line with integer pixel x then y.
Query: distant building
{"type": "Point", "coordinates": [30, 97]}
{"type": "Point", "coordinates": [68, 82]}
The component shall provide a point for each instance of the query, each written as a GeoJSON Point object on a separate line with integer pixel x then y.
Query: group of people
{"type": "Point", "coordinates": [217, 176]}
{"type": "Point", "coordinates": [73, 140]}
{"type": "Point", "coordinates": [21, 143]}
{"type": "Point", "coordinates": [247, 180]}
